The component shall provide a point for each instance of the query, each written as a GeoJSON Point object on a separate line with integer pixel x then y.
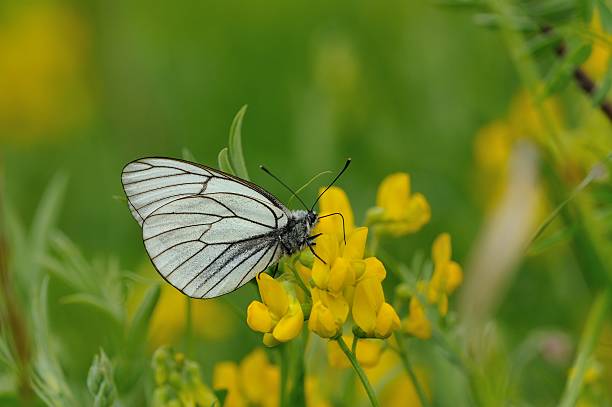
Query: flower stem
{"type": "Point", "coordinates": [359, 370]}
{"type": "Point", "coordinates": [408, 366]}
{"type": "Point", "coordinates": [299, 280]}
{"type": "Point", "coordinates": [590, 336]}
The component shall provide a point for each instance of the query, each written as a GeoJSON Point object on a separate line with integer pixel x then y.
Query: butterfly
{"type": "Point", "coordinates": [208, 232]}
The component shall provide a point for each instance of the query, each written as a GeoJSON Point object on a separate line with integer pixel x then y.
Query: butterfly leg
{"type": "Point", "coordinates": [315, 253]}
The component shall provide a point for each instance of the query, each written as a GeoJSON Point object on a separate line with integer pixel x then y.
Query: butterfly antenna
{"type": "Point", "coordinates": [348, 162]}
{"type": "Point", "coordinates": [293, 193]}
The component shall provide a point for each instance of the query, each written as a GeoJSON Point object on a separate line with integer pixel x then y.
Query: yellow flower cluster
{"type": "Point", "coordinates": [45, 52]}
{"type": "Point", "coordinates": [446, 277]}
{"type": "Point", "coordinates": [254, 382]}
{"type": "Point", "coordinates": [341, 282]}
{"type": "Point", "coordinates": [400, 212]}
{"type": "Point", "coordinates": [279, 317]}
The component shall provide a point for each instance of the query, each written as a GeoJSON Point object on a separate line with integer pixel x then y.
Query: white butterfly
{"type": "Point", "coordinates": [208, 232]}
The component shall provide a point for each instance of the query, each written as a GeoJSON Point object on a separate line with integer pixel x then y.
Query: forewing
{"type": "Point", "coordinates": [150, 183]}
{"type": "Point", "coordinates": [209, 245]}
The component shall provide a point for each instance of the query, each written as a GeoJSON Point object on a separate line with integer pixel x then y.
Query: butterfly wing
{"type": "Point", "coordinates": [206, 232]}
{"type": "Point", "coordinates": [150, 183]}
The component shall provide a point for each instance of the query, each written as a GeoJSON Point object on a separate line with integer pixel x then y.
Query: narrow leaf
{"type": "Point", "coordinates": [140, 321]}
{"type": "Point", "coordinates": [605, 16]}
{"type": "Point", "coordinates": [236, 155]}
{"type": "Point", "coordinates": [48, 210]}
{"type": "Point", "coordinates": [188, 155]}
{"type": "Point", "coordinates": [224, 162]}
{"type": "Point", "coordinates": [604, 86]}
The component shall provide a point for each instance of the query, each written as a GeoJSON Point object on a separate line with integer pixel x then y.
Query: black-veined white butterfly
{"type": "Point", "coordinates": [208, 232]}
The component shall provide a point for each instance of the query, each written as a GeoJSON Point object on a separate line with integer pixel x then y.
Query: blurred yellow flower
{"type": "Point", "coordinates": [43, 78]}
{"type": "Point", "coordinates": [597, 64]}
{"type": "Point", "coordinates": [368, 352]}
{"type": "Point", "coordinates": [394, 390]}
{"type": "Point", "coordinates": [279, 317]}
{"type": "Point", "coordinates": [417, 323]}
{"type": "Point", "coordinates": [402, 212]}
{"type": "Point", "coordinates": [447, 275]}
{"type": "Point", "coordinates": [254, 382]}
{"type": "Point", "coordinates": [314, 395]}
{"type": "Point", "coordinates": [210, 319]}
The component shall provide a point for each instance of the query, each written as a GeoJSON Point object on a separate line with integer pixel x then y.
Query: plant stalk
{"type": "Point", "coordinates": [359, 370]}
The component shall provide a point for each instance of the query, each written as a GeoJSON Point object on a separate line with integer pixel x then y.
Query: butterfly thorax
{"type": "Point", "coordinates": [294, 236]}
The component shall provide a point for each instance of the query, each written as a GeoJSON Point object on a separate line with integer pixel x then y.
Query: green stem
{"type": "Point", "coordinates": [359, 370]}
{"type": "Point", "coordinates": [590, 337]}
{"type": "Point", "coordinates": [408, 366]}
{"type": "Point", "coordinates": [299, 280]}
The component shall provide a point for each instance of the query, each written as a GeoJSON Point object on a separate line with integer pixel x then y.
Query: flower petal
{"type": "Point", "coordinates": [273, 294]}
{"type": "Point", "coordinates": [374, 268]}
{"type": "Point", "coordinates": [441, 249]}
{"type": "Point", "coordinates": [335, 200]}
{"type": "Point", "coordinates": [355, 244]}
{"type": "Point", "coordinates": [393, 193]}
{"type": "Point", "coordinates": [290, 325]}
{"type": "Point", "coordinates": [338, 275]}
{"type": "Point", "coordinates": [367, 299]}
{"type": "Point", "coordinates": [386, 322]}
{"type": "Point", "coordinates": [322, 321]}
{"type": "Point", "coordinates": [258, 317]}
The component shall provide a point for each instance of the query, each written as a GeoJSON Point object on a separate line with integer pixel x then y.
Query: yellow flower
{"type": "Point", "coordinates": [392, 384]}
{"type": "Point", "coordinates": [328, 314]}
{"type": "Point", "coordinates": [343, 263]}
{"type": "Point", "coordinates": [44, 54]}
{"type": "Point", "coordinates": [417, 323]}
{"type": "Point", "coordinates": [368, 352]}
{"type": "Point", "coordinates": [210, 319]}
{"type": "Point", "coordinates": [254, 382]}
{"type": "Point", "coordinates": [313, 391]}
{"type": "Point", "coordinates": [279, 317]}
{"type": "Point", "coordinates": [447, 275]}
{"type": "Point", "coordinates": [402, 212]}
{"type": "Point", "coordinates": [335, 200]}
{"type": "Point", "coordinates": [370, 311]}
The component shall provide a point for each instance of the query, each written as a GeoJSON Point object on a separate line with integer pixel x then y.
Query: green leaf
{"type": "Point", "coordinates": [140, 321]}
{"type": "Point", "coordinates": [224, 162]}
{"type": "Point", "coordinates": [604, 86]}
{"type": "Point", "coordinates": [584, 9]}
{"type": "Point", "coordinates": [89, 299]}
{"type": "Point", "coordinates": [563, 70]}
{"type": "Point", "coordinates": [605, 16]}
{"type": "Point", "coordinates": [236, 157]}
{"type": "Point", "coordinates": [541, 245]}
{"type": "Point", "coordinates": [221, 394]}
{"type": "Point", "coordinates": [541, 42]}
{"type": "Point", "coordinates": [47, 212]}
{"type": "Point", "coordinates": [188, 155]}
{"type": "Point", "coordinates": [100, 382]}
